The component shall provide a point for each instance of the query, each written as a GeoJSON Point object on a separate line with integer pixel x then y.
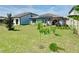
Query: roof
{"type": "Point", "coordinates": [71, 10]}
{"type": "Point", "coordinates": [35, 17]}
{"type": "Point", "coordinates": [73, 15]}
{"type": "Point", "coordinates": [49, 15]}
{"type": "Point", "coordinates": [24, 14]}
{"type": "Point", "coordinates": [2, 18]}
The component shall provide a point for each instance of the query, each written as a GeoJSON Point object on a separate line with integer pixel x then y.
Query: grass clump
{"type": "Point", "coordinates": [54, 47]}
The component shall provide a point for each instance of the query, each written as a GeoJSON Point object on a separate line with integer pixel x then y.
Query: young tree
{"type": "Point", "coordinates": [42, 30]}
{"type": "Point", "coordinates": [9, 22]}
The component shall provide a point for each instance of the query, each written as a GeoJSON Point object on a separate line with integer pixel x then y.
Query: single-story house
{"type": "Point", "coordinates": [51, 19]}
{"type": "Point", "coordinates": [23, 18]}
{"type": "Point", "coordinates": [31, 18]}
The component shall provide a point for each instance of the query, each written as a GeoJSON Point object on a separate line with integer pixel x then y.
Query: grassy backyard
{"type": "Point", "coordinates": [27, 39]}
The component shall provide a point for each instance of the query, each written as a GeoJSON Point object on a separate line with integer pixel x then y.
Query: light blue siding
{"type": "Point", "coordinates": [25, 19]}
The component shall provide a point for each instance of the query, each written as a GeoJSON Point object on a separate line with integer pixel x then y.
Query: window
{"type": "Point", "coordinates": [34, 20]}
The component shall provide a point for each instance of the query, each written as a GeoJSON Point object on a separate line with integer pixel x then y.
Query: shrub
{"type": "Point", "coordinates": [53, 47]}
{"type": "Point", "coordinates": [39, 26]}
{"type": "Point", "coordinates": [42, 29]}
{"type": "Point", "coordinates": [46, 31]}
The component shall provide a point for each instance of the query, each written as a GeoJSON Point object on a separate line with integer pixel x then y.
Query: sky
{"type": "Point", "coordinates": [61, 10]}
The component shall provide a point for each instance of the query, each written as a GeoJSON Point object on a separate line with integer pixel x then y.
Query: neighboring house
{"type": "Point", "coordinates": [23, 18]}
{"type": "Point", "coordinates": [51, 19]}
{"type": "Point", "coordinates": [73, 23]}
{"type": "Point", "coordinates": [31, 18]}
{"type": "Point", "coordinates": [2, 19]}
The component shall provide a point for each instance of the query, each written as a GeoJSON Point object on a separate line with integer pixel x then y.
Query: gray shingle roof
{"type": "Point", "coordinates": [49, 15]}
{"type": "Point", "coordinates": [1, 17]}
{"type": "Point", "coordinates": [24, 14]}
{"type": "Point", "coordinates": [71, 10]}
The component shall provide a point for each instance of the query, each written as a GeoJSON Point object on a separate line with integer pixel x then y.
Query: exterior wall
{"type": "Point", "coordinates": [25, 20]}
{"type": "Point", "coordinates": [69, 22]}
{"type": "Point", "coordinates": [39, 20]}
{"type": "Point", "coordinates": [49, 22]}
{"type": "Point", "coordinates": [78, 27]}
{"type": "Point", "coordinates": [31, 22]}
{"type": "Point", "coordinates": [73, 24]}
{"type": "Point", "coordinates": [14, 21]}
{"type": "Point", "coordinates": [61, 22]}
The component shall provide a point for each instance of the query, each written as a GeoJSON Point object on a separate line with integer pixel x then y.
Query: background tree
{"type": "Point", "coordinates": [9, 22]}
{"type": "Point", "coordinates": [76, 8]}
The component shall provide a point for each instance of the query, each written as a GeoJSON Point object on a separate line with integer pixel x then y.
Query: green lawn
{"type": "Point", "coordinates": [27, 39]}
